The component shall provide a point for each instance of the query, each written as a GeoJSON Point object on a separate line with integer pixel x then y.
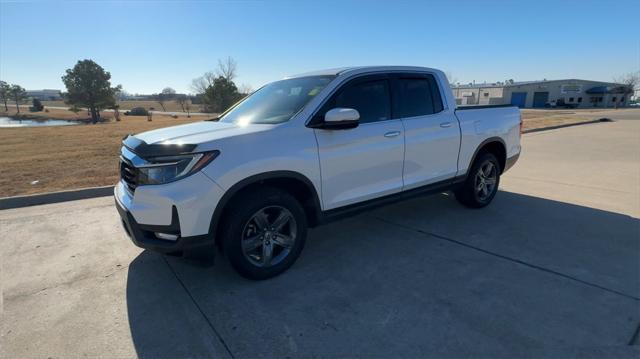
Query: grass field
{"type": "Point", "coordinates": [68, 157]}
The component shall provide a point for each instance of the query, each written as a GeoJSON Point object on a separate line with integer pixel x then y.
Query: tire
{"type": "Point", "coordinates": [470, 193]}
{"type": "Point", "coordinates": [259, 246]}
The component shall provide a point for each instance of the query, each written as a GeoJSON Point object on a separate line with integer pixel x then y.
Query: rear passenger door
{"type": "Point", "coordinates": [365, 162]}
{"type": "Point", "coordinates": [432, 133]}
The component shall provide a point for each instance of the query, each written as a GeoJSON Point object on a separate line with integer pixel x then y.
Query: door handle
{"type": "Point", "coordinates": [445, 124]}
{"type": "Point", "coordinates": [391, 134]}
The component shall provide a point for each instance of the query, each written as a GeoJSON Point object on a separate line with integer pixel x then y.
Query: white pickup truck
{"type": "Point", "coordinates": [305, 150]}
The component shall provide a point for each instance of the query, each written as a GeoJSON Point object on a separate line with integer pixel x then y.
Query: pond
{"type": "Point", "coordinates": [16, 122]}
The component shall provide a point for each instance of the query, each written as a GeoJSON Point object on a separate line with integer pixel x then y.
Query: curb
{"type": "Point", "coordinates": [54, 197]}
{"type": "Point", "coordinates": [568, 125]}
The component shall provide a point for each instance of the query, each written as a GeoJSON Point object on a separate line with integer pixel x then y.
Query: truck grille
{"type": "Point", "coordinates": [128, 174]}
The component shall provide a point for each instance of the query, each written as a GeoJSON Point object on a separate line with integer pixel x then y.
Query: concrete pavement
{"type": "Point", "coordinates": [551, 268]}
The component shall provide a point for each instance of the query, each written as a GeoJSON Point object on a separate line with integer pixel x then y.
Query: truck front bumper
{"type": "Point", "coordinates": [145, 236]}
{"type": "Point", "coordinates": [170, 218]}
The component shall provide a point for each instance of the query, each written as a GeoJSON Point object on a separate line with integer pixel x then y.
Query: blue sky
{"type": "Point", "coordinates": [148, 45]}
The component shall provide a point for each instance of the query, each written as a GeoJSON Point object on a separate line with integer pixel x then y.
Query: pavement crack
{"type": "Point", "coordinates": [213, 328]}
{"type": "Point", "coordinates": [511, 259]}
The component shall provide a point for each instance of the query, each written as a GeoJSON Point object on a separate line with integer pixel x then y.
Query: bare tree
{"type": "Point", "coordinates": [227, 68]}
{"type": "Point", "coordinates": [629, 81]}
{"type": "Point", "coordinates": [167, 94]}
{"type": "Point", "coordinates": [452, 80]}
{"type": "Point", "coordinates": [245, 89]}
{"type": "Point", "coordinates": [185, 102]}
{"type": "Point", "coordinates": [217, 89]}
{"type": "Point", "coordinates": [199, 85]}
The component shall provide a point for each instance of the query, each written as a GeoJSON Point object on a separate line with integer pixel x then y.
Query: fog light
{"type": "Point", "coordinates": [167, 236]}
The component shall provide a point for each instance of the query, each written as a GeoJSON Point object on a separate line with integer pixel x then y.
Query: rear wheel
{"type": "Point", "coordinates": [265, 230]}
{"type": "Point", "coordinates": [482, 182]}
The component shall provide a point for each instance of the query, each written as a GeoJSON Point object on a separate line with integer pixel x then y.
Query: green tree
{"type": "Point", "coordinates": [37, 105]}
{"type": "Point", "coordinates": [18, 94]}
{"type": "Point", "coordinates": [5, 92]}
{"type": "Point", "coordinates": [75, 109]}
{"type": "Point", "coordinates": [88, 84]}
{"type": "Point", "coordinates": [221, 95]}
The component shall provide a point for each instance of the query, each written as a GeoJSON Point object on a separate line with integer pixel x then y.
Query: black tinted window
{"type": "Point", "coordinates": [414, 97]}
{"type": "Point", "coordinates": [435, 93]}
{"type": "Point", "coordinates": [371, 99]}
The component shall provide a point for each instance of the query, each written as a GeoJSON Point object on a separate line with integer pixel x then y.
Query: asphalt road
{"type": "Point", "coordinates": [550, 269]}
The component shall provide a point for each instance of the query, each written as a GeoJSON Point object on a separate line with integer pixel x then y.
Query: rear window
{"type": "Point", "coordinates": [418, 97]}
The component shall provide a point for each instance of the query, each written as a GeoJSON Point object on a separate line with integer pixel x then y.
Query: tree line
{"type": "Point", "coordinates": [12, 92]}
{"type": "Point", "coordinates": [88, 85]}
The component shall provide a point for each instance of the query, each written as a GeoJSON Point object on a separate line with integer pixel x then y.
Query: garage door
{"type": "Point", "coordinates": [518, 99]}
{"type": "Point", "coordinates": [540, 99]}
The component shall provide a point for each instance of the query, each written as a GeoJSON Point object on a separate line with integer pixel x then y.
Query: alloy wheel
{"type": "Point", "coordinates": [269, 236]}
{"type": "Point", "coordinates": [485, 180]}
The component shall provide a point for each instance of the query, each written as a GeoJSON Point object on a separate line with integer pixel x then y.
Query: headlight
{"type": "Point", "coordinates": [160, 170]}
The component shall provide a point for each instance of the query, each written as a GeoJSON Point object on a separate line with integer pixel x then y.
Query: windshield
{"type": "Point", "coordinates": [278, 101]}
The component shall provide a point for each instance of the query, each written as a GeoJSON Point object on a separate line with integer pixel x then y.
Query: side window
{"type": "Point", "coordinates": [435, 92]}
{"type": "Point", "coordinates": [371, 99]}
{"type": "Point", "coordinates": [418, 97]}
{"type": "Point", "coordinates": [414, 98]}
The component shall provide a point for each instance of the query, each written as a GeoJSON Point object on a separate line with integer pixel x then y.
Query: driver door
{"type": "Point", "coordinates": [365, 162]}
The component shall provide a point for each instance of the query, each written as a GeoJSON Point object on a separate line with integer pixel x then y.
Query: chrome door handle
{"type": "Point", "coordinates": [392, 134]}
{"type": "Point", "coordinates": [445, 124]}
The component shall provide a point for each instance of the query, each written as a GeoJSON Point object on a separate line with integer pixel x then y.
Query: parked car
{"type": "Point", "coordinates": [137, 111]}
{"type": "Point", "coordinates": [560, 103]}
{"type": "Point", "coordinates": [303, 151]}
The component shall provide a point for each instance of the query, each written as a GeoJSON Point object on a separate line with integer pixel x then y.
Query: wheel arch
{"type": "Point", "coordinates": [295, 183]}
{"type": "Point", "coordinates": [494, 145]}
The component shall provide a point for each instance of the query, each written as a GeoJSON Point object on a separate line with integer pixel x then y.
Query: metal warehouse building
{"type": "Point", "coordinates": [570, 93]}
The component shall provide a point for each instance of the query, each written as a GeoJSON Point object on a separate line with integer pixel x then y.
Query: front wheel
{"type": "Point", "coordinates": [264, 233]}
{"type": "Point", "coordinates": [482, 182]}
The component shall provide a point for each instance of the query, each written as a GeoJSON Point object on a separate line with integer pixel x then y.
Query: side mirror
{"type": "Point", "coordinates": [341, 118]}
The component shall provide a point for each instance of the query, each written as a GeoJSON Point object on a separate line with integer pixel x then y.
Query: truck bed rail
{"type": "Point", "coordinates": [477, 107]}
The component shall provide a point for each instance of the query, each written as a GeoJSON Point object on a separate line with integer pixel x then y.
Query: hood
{"type": "Point", "coordinates": [198, 132]}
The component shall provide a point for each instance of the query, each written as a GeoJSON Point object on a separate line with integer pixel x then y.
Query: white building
{"type": "Point", "coordinates": [45, 95]}
{"type": "Point", "coordinates": [539, 94]}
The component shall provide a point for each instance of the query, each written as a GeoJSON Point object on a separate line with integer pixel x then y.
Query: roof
{"type": "Point", "coordinates": [520, 83]}
{"type": "Point", "coordinates": [325, 72]}
{"type": "Point", "coordinates": [341, 70]}
{"type": "Point", "coordinates": [609, 89]}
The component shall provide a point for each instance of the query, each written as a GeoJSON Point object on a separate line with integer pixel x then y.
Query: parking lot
{"type": "Point", "coordinates": [551, 268]}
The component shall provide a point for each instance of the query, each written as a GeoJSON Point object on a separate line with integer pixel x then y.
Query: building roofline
{"type": "Point", "coordinates": [522, 83]}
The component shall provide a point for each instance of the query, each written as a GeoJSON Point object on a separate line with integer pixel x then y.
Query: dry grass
{"type": "Point", "coordinates": [68, 157]}
{"type": "Point", "coordinates": [533, 119]}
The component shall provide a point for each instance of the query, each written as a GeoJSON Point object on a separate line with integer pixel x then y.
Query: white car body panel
{"type": "Point", "coordinates": [478, 125]}
{"type": "Point", "coordinates": [283, 148]}
{"type": "Point", "coordinates": [344, 166]}
{"type": "Point", "coordinates": [360, 164]}
{"type": "Point", "coordinates": [431, 153]}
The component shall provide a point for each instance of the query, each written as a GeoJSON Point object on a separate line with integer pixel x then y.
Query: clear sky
{"type": "Point", "coordinates": [148, 45]}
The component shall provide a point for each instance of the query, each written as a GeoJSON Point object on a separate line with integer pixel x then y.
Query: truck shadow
{"type": "Point", "coordinates": [521, 274]}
